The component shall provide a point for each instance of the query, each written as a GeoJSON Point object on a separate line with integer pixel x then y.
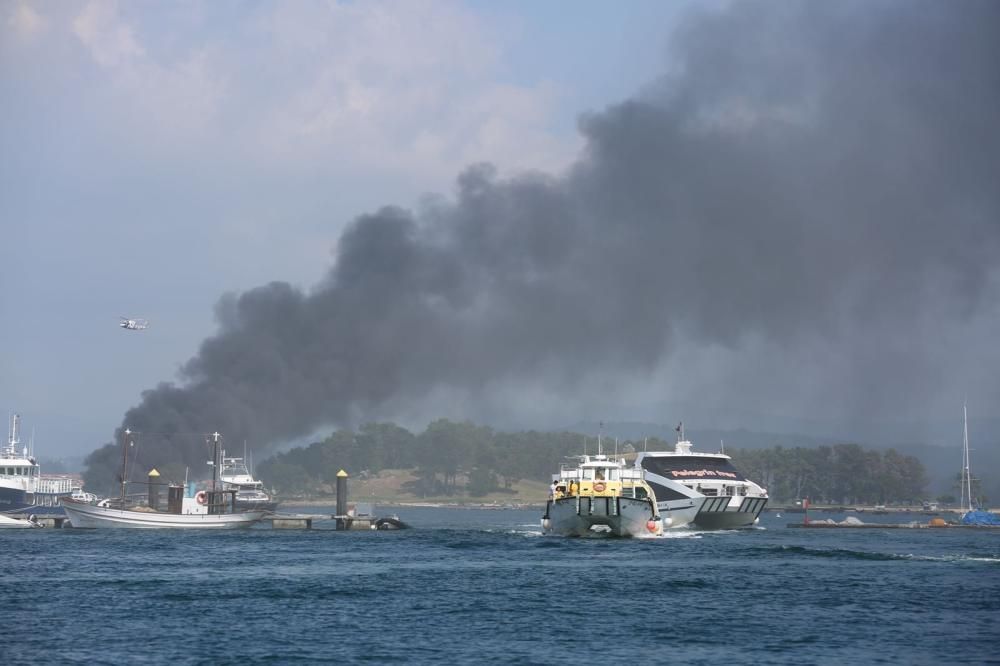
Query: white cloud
{"type": "Point", "coordinates": [414, 87]}
{"type": "Point", "coordinates": [110, 41]}
{"type": "Point", "coordinates": [25, 22]}
{"type": "Point", "coordinates": [413, 90]}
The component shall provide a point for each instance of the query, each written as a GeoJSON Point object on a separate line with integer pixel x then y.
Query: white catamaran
{"type": "Point", "coordinates": [729, 499]}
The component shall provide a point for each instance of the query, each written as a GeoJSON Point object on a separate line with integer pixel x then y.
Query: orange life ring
{"type": "Point", "coordinates": [201, 497]}
{"type": "Point", "coordinates": [599, 487]}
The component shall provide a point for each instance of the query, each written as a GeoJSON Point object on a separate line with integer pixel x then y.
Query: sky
{"type": "Point", "coordinates": [740, 215]}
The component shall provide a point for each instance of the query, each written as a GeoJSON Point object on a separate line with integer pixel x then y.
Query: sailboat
{"type": "Point", "coordinates": [215, 508]}
{"type": "Point", "coordinates": [972, 515]}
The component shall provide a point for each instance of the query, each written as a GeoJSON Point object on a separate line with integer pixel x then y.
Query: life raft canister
{"type": "Point", "coordinates": [599, 487]}
{"type": "Point", "coordinates": [201, 497]}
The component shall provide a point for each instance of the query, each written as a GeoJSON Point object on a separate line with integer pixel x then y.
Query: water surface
{"type": "Point", "coordinates": [484, 586]}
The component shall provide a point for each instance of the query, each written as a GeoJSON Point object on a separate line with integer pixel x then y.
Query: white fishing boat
{"type": "Point", "coordinates": [730, 500]}
{"type": "Point", "coordinates": [209, 509]}
{"type": "Point", "coordinates": [82, 514]}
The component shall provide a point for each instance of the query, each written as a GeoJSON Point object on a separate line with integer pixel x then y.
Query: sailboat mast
{"type": "Point", "coordinates": [967, 486]}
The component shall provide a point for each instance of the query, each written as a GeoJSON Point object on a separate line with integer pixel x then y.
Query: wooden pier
{"type": "Point", "coordinates": [304, 521]}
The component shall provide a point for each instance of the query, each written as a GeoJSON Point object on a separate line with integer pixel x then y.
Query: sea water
{"type": "Point", "coordinates": [479, 586]}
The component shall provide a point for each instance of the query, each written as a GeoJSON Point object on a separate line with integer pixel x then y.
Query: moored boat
{"type": "Point", "coordinates": [9, 522]}
{"type": "Point", "coordinates": [19, 472]}
{"type": "Point", "coordinates": [83, 514]}
{"type": "Point", "coordinates": [211, 509]}
{"type": "Point", "coordinates": [972, 512]}
{"type": "Point", "coordinates": [250, 494]}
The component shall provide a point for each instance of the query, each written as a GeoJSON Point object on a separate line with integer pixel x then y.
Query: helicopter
{"type": "Point", "coordinates": [133, 324]}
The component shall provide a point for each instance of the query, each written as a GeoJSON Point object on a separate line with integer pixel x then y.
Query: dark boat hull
{"type": "Point", "coordinates": [256, 505]}
{"type": "Point", "coordinates": [716, 514]}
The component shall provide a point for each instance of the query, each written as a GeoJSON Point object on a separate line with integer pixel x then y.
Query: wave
{"type": "Point", "coordinates": [850, 554]}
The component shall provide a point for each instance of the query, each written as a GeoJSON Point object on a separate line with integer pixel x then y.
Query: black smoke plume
{"type": "Point", "coordinates": [816, 178]}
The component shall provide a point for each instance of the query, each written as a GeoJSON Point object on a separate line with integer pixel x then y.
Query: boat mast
{"type": "Point", "coordinates": [967, 486]}
{"type": "Point", "coordinates": [125, 438]}
{"type": "Point", "coordinates": [215, 459]}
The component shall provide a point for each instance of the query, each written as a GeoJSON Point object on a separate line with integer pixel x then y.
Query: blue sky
{"type": "Point", "coordinates": [160, 154]}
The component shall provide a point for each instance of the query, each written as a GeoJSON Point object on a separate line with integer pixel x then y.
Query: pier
{"type": "Point", "coordinates": [304, 521]}
{"type": "Point", "coordinates": [892, 526]}
{"type": "Point", "coordinates": [359, 519]}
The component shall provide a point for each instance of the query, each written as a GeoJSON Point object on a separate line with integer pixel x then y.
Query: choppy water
{"type": "Point", "coordinates": [484, 586]}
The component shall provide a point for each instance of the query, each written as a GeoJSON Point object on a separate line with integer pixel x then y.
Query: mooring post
{"type": "Point", "coordinates": [342, 522]}
{"type": "Point", "coordinates": [153, 482]}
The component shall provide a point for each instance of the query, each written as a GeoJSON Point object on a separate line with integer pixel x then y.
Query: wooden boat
{"type": "Point", "coordinates": [211, 509]}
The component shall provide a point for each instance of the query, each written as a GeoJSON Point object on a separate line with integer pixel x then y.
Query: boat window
{"type": "Point", "coordinates": [682, 468]}
{"type": "Point", "coordinates": [588, 474]}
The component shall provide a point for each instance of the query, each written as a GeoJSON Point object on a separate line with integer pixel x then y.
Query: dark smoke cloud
{"type": "Point", "coordinates": [822, 177]}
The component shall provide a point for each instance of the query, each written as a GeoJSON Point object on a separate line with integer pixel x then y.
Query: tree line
{"type": "Point", "coordinates": [450, 458]}
{"type": "Point", "coordinates": [838, 474]}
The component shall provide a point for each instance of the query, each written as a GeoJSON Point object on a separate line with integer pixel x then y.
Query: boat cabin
{"type": "Point", "coordinates": [599, 476]}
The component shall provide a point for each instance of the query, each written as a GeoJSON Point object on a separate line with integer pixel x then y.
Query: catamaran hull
{"type": "Point", "coordinates": [679, 513]}
{"type": "Point", "coordinates": [585, 516]}
{"type": "Point", "coordinates": [88, 515]}
{"type": "Point", "coordinates": [719, 513]}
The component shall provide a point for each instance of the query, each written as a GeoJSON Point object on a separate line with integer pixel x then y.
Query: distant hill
{"type": "Point", "coordinates": [65, 465]}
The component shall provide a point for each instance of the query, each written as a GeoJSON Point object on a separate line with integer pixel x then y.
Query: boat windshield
{"type": "Point", "coordinates": [699, 468]}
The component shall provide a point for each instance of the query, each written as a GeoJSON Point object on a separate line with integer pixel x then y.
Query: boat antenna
{"type": "Point", "coordinates": [616, 447]}
{"type": "Point", "coordinates": [13, 440]}
{"type": "Point", "coordinates": [722, 444]}
{"type": "Point", "coordinates": [600, 432]}
{"type": "Point", "coordinates": [645, 442]}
